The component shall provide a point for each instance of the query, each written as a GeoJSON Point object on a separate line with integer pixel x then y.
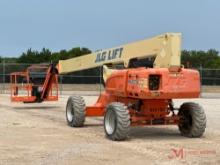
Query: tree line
{"type": "Point", "coordinates": [190, 59]}
{"type": "Point", "coordinates": [46, 56]}
{"type": "Point", "coordinates": [201, 59]}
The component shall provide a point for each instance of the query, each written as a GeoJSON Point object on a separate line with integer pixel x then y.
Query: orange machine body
{"type": "Point", "coordinates": [38, 83]}
{"type": "Point", "coordinates": [148, 93]}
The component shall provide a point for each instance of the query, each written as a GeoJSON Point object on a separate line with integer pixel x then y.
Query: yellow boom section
{"type": "Point", "coordinates": [165, 48]}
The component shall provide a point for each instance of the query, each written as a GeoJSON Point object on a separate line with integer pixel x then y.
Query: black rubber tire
{"type": "Point", "coordinates": [117, 121]}
{"type": "Point", "coordinates": [192, 120]}
{"type": "Point", "coordinates": [75, 111]}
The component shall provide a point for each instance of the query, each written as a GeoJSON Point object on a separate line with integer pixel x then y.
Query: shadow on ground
{"type": "Point", "coordinates": [36, 107]}
{"type": "Point", "coordinates": [152, 133]}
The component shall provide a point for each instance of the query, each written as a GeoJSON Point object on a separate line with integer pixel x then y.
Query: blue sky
{"type": "Point", "coordinates": [98, 24]}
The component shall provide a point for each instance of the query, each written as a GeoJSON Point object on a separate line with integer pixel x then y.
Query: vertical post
{"type": "Point", "coordinates": [215, 73]}
{"type": "Point", "coordinates": [3, 75]}
{"type": "Point", "coordinates": [201, 77]}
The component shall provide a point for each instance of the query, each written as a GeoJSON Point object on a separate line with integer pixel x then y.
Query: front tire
{"type": "Point", "coordinates": [75, 111]}
{"type": "Point", "coordinates": [116, 121]}
{"type": "Point", "coordinates": [192, 120]}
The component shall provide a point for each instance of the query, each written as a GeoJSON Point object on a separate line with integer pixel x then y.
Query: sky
{"type": "Point", "coordinates": [99, 24]}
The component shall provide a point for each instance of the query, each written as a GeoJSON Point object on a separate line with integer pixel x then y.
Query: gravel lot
{"type": "Point", "coordinates": [38, 134]}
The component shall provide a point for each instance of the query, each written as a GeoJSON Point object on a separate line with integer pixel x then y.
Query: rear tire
{"type": "Point", "coordinates": [75, 111]}
{"type": "Point", "coordinates": [192, 120]}
{"type": "Point", "coordinates": [117, 121]}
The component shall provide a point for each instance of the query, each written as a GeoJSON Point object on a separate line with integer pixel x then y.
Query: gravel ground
{"type": "Point", "coordinates": [38, 134]}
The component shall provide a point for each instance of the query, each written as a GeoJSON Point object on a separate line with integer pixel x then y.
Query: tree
{"type": "Point", "coordinates": [63, 55]}
{"type": "Point", "coordinates": [196, 59]}
{"type": "Point", "coordinates": [45, 55]}
{"type": "Point", "coordinates": [55, 57]}
{"type": "Point", "coordinates": [10, 59]}
{"type": "Point", "coordinates": [28, 57]}
{"type": "Point", "coordinates": [35, 57]}
{"type": "Point", "coordinates": [74, 52]}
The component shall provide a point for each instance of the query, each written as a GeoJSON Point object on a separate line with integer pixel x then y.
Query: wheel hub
{"type": "Point", "coordinates": [69, 113]}
{"type": "Point", "coordinates": [110, 122]}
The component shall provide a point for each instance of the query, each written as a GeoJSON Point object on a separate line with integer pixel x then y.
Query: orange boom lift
{"type": "Point", "coordinates": [142, 92]}
{"type": "Point", "coordinates": [37, 84]}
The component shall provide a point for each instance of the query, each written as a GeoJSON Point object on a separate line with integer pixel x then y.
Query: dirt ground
{"type": "Point", "coordinates": [38, 134]}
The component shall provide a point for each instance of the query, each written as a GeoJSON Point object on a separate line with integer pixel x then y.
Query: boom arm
{"type": "Point", "coordinates": [165, 48]}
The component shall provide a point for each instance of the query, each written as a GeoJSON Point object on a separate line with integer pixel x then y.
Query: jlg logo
{"type": "Point", "coordinates": [109, 55]}
{"type": "Point", "coordinates": [176, 153]}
